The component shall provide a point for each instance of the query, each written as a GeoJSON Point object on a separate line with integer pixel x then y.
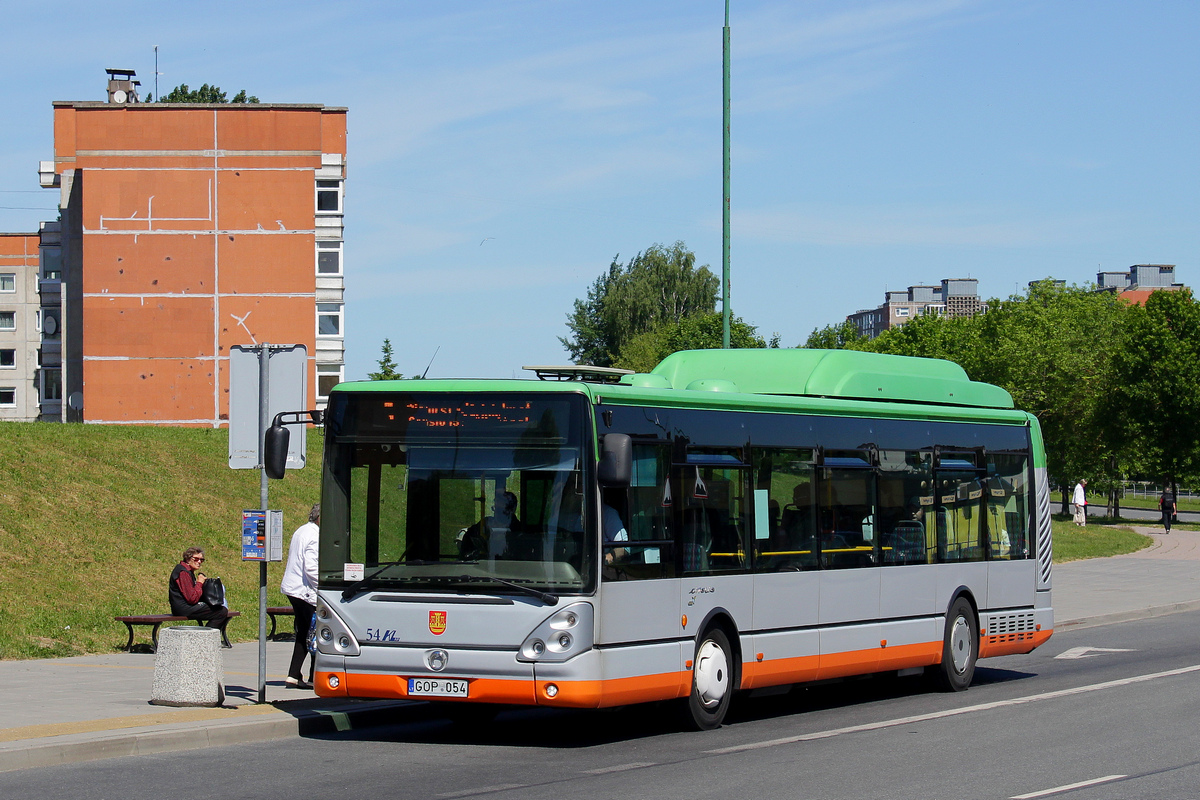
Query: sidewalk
{"type": "Point", "coordinates": [58, 711]}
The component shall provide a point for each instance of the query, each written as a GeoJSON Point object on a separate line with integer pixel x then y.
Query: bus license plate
{"type": "Point", "coordinates": [436, 687]}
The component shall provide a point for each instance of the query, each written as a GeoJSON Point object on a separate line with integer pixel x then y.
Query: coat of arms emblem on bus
{"type": "Point", "coordinates": [437, 622]}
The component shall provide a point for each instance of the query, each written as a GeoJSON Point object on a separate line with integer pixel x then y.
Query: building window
{"type": "Point", "coordinates": [329, 319]}
{"type": "Point", "coordinates": [8, 397]}
{"type": "Point", "coordinates": [8, 320]}
{"type": "Point", "coordinates": [329, 197]}
{"type": "Point", "coordinates": [51, 263]}
{"type": "Point", "coordinates": [329, 258]}
{"type": "Point", "coordinates": [8, 359]}
{"type": "Point", "coordinates": [51, 384]}
{"type": "Point", "coordinates": [328, 376]}
{"type": "Point", "coordinates": [901, 312]}
{"type": "Point", "coordinates": [8, 282]}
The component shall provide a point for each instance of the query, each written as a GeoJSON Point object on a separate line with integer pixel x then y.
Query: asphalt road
{"type": "Point", "coordinates": [1113, 707]}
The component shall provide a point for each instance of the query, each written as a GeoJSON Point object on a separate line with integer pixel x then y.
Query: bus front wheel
{"type": "Point", "coordinates": [712, 684]}
{"type": "Point", "coordinates": [960, 648]}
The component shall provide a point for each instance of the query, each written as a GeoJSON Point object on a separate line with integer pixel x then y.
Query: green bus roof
{"type": "Point", "coordinates": [844, 374]}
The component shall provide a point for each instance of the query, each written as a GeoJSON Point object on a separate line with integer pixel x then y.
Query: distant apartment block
{"type": "Point", "coordinates": [183, 230]}
{"type": "Point", "coordinates": [1139, 281]}
{"type": "Point", "coordinates": [954, 297]}
{"type": "Point", "coordinates": [21, 326]}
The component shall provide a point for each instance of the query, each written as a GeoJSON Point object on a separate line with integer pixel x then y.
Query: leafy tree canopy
{"type": "Point", "coordinates": [205, 94]}
{"type": "Point", "coordinates": [700, 332]}
{"type": "Point", "coordinates": [657, 286]}
{"type": "Point", "coordinates": [845, 336]}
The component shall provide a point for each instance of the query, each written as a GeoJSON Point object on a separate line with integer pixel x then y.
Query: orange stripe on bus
{"type": "Point", "coordinates": [616, 692]}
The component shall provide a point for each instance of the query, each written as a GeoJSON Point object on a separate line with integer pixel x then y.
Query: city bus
{"type": "Point", "coordinates": [732, 520]}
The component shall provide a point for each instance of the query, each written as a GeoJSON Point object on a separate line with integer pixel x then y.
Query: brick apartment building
{"type": "Point", "coordinates": [184, 230]}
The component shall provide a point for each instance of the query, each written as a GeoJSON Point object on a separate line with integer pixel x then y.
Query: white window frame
{"type": "Point", "coordinates": [324, 185]}
{"type": "Point", "coordinates": [902, 312]}
{"type": "Point", "coordinates": [327, 310]}
{"type": "Point", "coordinates": [328, 246]}
{"type": "Point", "coordinates": [328, 370]}
{"type": "Point", "coordinates": [5, 389]}
{"type": "Point", "coordinates": [5, 315]}
{"type": "Point", "coordinates": [12, 280]}
{"type": "Point", "coordinates": [12, 350]}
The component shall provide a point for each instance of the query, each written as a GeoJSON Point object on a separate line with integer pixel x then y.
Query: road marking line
{"type": "Point", "coordinates": [954, 712]}
{"type": "Point", "coordinates": [1068, 787]}
{"type": "Point", "coordinates": [620, 768]}
{"type": "Point", "coordinates": [1088, 652]}
{"type": "Point", "coordinates": [500, 787]}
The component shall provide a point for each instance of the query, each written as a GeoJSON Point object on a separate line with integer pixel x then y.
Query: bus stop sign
{"type": "Point", "coordinates": [287, 385]}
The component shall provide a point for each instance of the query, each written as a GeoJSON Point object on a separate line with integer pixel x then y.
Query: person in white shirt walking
{"type": "Point", "coordinates": [300, 586]}
{"type": "Point", "coordinates": [1079, 500]}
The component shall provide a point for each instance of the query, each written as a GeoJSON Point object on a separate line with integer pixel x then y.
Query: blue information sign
{"type": "Point", "coordinates": [254, 535]}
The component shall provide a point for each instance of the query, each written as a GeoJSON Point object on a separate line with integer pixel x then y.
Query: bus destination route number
{"type": "Point", "coordinates": [436, 687]}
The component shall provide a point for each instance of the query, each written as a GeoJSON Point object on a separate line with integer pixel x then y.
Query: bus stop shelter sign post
{"type": "Point", "coordinates": [290, 383]}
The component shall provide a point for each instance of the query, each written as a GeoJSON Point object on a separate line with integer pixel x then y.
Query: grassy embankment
{"type": "Point", "coordinates": [94, 517]}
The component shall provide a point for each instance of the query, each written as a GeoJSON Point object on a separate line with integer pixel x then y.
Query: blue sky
{"type": "Point", "coordinates": [501, 154]}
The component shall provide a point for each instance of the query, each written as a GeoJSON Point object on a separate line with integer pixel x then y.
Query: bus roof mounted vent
{"type": "Point", "coordinates": [580, 372]}
{"type": "Point", "coordinates": [843, 374]}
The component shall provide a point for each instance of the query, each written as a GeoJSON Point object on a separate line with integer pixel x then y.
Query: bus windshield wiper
{"type": "Point", "coordinates": [365, 582]}
{"type": "Point", "coordinates": [545, 597]}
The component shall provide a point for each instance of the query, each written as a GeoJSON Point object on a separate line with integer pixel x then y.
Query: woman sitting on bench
{"type": "Point", "coordinates": [186, 590]}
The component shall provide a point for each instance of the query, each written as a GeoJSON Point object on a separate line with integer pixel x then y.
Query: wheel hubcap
{"type": "Point", "coordinates": [960, 644]}
{"type": "Point", "coordinates": [712, 674]}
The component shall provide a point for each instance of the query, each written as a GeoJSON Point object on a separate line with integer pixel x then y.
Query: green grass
{"type": "Point", "coordinates": [94, 517]}
{"type": "Point", "coordinates": [1151, 503]}
{"type": "Point", "coordinates": [1097, 540]}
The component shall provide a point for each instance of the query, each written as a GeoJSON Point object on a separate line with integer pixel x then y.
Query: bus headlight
{"type": "Point", "coordinates": [563, 635]}
{"type": "Point", "coordinates": [334, 637]}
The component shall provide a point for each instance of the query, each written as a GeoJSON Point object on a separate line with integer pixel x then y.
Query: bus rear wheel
{"type": "Point", "coordinates": [960, 648]}
{"type": "Point", "coordinates": [712, 684]}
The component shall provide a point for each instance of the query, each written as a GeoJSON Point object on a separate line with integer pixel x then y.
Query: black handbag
{"type": "Point", "coordinates": [213, 592]}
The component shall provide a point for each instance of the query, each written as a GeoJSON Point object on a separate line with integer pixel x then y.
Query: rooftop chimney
{"type": "Point", "coordinates": [122, 88]}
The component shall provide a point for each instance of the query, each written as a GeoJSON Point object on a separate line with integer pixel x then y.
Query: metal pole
{"type": "Point", "coordinates": [725, 190]}
{"type": "Point", "coordinates": [264, 380]}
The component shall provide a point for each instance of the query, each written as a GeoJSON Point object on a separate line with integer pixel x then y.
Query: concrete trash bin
{"type": "Point", "coordinates": [187, 667]}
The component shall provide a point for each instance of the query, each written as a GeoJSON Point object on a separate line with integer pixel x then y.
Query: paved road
{"type": "Point", "coordinates": [1128, 512]}
{"type": "Point", "coordinates": [1065, 714]}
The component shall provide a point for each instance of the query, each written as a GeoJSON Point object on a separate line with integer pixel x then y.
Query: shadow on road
{"type": "Point", "coordinates": [447, 723]}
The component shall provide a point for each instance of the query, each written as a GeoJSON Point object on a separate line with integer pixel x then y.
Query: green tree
{"type": "Point", "coordinates": [387, 366]}
{"type": "Point", "coordinates": [699, 332]}
{"type": "Point", "coordinates": [659, 285]}
{"type": "Point", "coordinates": [205, 94]}
{"type": "Point", "coordinates": [843, 336]}
{"type": "Point", "coordinates": [1155, 391]}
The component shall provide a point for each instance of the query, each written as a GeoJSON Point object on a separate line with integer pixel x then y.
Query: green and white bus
{"type": "Point", "coordinates": [735, 519]}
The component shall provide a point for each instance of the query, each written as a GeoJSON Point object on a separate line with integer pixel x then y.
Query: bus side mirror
{"type": "Point", "coordinates": [275, 450]}
{"type": "Point", "coordinates": [616, 461]}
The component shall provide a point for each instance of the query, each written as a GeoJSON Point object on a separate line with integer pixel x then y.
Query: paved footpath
{"type": "Point", "coordinates": [63, 710]}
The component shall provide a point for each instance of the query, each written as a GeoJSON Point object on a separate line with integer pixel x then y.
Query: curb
{"type": "Point", "coordinates": [279, 724]}
{"type": "Point", "coordinates": [1128, 616]}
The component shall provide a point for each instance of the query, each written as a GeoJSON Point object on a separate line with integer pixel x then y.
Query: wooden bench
{"type": "Point", "coordinates": [279, 611]}
{"type": "Point", "coordinates": [156, 620]}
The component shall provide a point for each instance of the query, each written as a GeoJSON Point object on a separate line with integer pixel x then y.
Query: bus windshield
{"type": "Point", "coordinates": [455, 492]}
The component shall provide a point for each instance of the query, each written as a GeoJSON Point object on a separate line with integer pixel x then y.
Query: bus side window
{"type": "Point", "coordinates": [645, 511]}
{"type": "Point", "coordinates": [786, 476]}
{"type": "Point", "coordinates": [1007, 493]}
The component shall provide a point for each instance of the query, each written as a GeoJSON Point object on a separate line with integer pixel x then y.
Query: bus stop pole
{"type": "Point", "coordinates": [264, 377]}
